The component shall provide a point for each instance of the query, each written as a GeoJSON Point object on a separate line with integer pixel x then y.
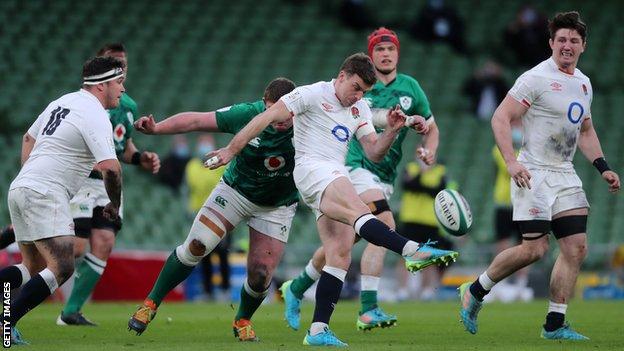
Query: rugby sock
{"type": "Point", "coordinates": [15, 275]}
{"type": "Point", "coordinates": [250, 301]}
{"type": "Point", "coordinates": [305, 280]}
{"type": "Point", "coordinates": [327, 294]}
{"type": "Point", "coordinates": [173, 273]}
{"type": "Point", "coordinates": [7, 237]}
{"type": "Point", "coordinates": [378, 233]}
{"type": "Point", "coordinates": [87, 275]}
{"type": "Point", "coordinates": [556, 316]}
{"type": "Point", "coordinates": [481, 286]}
{"type": "Point", "coordinates": [34, 292]}
{"type": "Point", "coordinates": [368, 292]}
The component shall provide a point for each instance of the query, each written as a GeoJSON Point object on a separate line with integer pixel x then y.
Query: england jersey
{"type": "Point", "coordinates": [558, 104]}
{"type": "Point", "coordinates": [322, 126]}
{"type": "Point", "coordinates": [71, 135]}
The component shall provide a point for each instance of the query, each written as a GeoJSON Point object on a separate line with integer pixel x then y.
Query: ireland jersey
{"type": "Point", "coordinates": [405, 92]}
{"type": "Point", "coordinates": [122, 118]}
{"type": "Point", "coordinates": [262, 172]}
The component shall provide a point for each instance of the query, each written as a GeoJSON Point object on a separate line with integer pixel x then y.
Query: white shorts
{"type": "Point", "coordinates": [271, 221]}
{"type": "Point", "coordinates": [551, 192]}
{"type": "Point", "coordinates": [363, 180]}
{"type": "Point", "coordinates": [92, 194]}
{"type": "Point", "coordinates": [312, 178]}
{"type": "Point", "coordinates": [38, 216]}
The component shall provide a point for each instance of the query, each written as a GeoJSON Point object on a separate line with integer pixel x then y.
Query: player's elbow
{"type": "Point", "coordinates": [109, 166]}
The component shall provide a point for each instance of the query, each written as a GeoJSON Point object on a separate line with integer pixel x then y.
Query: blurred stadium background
{"type": "Point", "coordinates": [202, 55]}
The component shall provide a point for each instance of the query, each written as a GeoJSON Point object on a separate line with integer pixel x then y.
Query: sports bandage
{"type": "Point", "coordinates": [211, 161]}
{"type": "Point", "coordinates": [104, 77]}
{"type": "Point", "coordinates": [208, 230]}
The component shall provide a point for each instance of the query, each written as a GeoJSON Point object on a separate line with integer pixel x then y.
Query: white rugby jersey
{"type": "Point", "coordinates": [71, 135]}
{"type": "Point", "coordinates": [322, 126]}
{"type": "Point", "coordinates": [558, 103]}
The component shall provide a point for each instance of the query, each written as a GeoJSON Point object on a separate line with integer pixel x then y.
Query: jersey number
{"type": "Point", "coordinates": [55, 119]}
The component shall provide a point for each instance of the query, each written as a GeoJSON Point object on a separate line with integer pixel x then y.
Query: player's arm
{"type": "Point", "coordinates": [509, 110]}
{"type": "Point", "coordinates": [28, 143]}
{"type": "Point", "coordinates": [183, 122]}
{"type": "Point", "coordinates": [278, 112]}
{"type": "Point", "coordinates": [430, 142]}
{"type": "Point", "coordinates": [590, 147]}
{"type": "Point", "coordinates": [147, 160]}
{"type": "Point", "coordinates": [111, 172]}
{"type": "Point", "coordinates": [376, 145]}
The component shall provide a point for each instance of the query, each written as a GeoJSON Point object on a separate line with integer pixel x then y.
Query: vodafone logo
{"type": "Point", "coordinates": [273, 163]}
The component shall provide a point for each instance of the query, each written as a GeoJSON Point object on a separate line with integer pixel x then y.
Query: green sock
{"type": "Point", "coordinates": [173, 273]}
{"type": "Point", "coordinates": [87, 275]}
{"type": "Point", "coordinates": [368, 298]}
{"type": "Point", "coordinates": [249, 302]}
{"type": "Point", "coordinates": [300, 284]}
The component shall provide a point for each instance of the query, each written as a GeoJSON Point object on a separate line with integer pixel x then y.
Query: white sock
{"type": "Point", "coordinates": [317, 327]}
{"type": "Point", "coordinates": [410, 249]}
{"type": "Point", "coordinates": [253, 293]}
{"type": "Point", "coordinates": [557, 307]}
{"type": "Point", "coordinates": [369, 283]}
{"type": "Point", "coordinates": [312, 272]}
{"type": "Point", "coordinates": [486, 282]}
{"type": "Point", "coordinates": [25, 274]}
{"type": "Point", "coordinates": [336, 272]}
{"type": "Point", "coordinates": [95, 263]}
{"type": "Point", "coordinates": [360, 222]}
{"type": "Point", "coordinates": [50, 279]}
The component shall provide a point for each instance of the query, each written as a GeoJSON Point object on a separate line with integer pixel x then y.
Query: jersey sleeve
{"type": "Point", "coordinates": [98, 134]}
{"type": "Point", "coordinates": [298, 100]}
{"type": "Point", "coordinates": [233, 118]}
{"type": "Point", "coordinates": [525, 90]}
{"type": "Point", "coordinates": [35, 128]}
{"type": "Point", "coordinates": [131, 115]}
{"type": "Point", "coordinates": [422, 107]}
{"type": "Point", "coordinates": [365, 126]}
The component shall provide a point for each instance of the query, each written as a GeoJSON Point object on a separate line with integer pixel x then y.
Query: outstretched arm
{"type": "Point", "coordinates": [147, 160]}
{"type": "Point", "coordinates": [376, 146]}
{"type": "Point", "coordinates": [183, 122]}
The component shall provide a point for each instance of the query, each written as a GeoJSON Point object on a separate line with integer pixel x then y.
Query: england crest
{"type": "Point", "coordinates": [406, 102]}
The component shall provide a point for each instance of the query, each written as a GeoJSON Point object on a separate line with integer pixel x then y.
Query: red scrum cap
{"type": "Point", "coordinates": [381, 34]}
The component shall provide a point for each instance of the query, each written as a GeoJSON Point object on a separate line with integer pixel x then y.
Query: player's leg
{"type": "Point", "coordinates": [337, 239]}
{"type": "Point", "coordinates": [265, 253]}
{"type": "Point", "coordinates": [569, 227]}
{"type": "Point", "coordinates": [101, 237]}
{"type": "Point", "coordinates": [293, 290]}
{"type": "Point", "coordinates": [7, 236]}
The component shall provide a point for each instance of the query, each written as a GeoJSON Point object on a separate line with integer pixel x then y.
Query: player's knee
{"type": "Point", "coordinates": [575, 252]}
{"type": "Point", "coordinates": [534, 251]}
{"type": "Point", "coordinates": [259, 275]}
{"type": "Point", "coordinates": [186, 256]}
{"type": "Point", "coordinates": [197, 248]}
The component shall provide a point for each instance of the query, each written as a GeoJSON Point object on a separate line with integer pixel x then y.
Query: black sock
{"type": "Point", "coordinates": [7, 237]}
{"type": "Point", "coordinates": [327, 294]}
{"type": "Point", "coordinates": [12, 275]}
{"type": "Point", "coordinates": [554, 321]}
{"type": "Point", "coordinates": [378, 233]}
{"type": "Point", "coordinates": [477, 290]}
{"type": "Point", "coordinates": [33, 293]}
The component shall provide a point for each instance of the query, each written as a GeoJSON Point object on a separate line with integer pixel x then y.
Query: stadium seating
{"type": "Point", "coordinates": [197, 55]}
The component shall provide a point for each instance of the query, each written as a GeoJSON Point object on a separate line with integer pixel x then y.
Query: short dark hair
{"type": "Point", "coordinates": [114, 47]}
{"type": "Point", "coordinates": [277, 88]}
{"type": "Point", "coordinates": [100, 64]}
{"type": "Point", "coordinates": [567, 20]}
{"type": "Point", "coordinates": [361, 65]}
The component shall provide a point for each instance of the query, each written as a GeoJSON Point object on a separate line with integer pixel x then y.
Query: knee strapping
{"type": "Point", "coordinates": [186, 257]}
{"type": "Point", "coordinates": [208, 229]}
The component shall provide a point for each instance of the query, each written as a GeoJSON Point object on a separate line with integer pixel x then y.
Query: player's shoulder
{"type": "Point", "coordinates": [407, 79]}
{"type": "Point", "coordinates": [578, 73]}
{"type": "Point", "coordinates": [128, 102]}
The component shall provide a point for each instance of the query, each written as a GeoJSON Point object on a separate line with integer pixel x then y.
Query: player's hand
{"type": "Point", "coordinates": [218, 158]}
{"type": "Point", "coordinates": [396, 118]}
{"type": "Point", "coordinates": [519, 174]}
{"type": "Point", "coordinates": [426, 155]}
{"type": "Point", "coordinates": [150, 161]}
{"type": "Point", "coordinates": [418, 123]}
{"type": "Point", "coordinates": [111, 212]}
{"type": "Point", "coordinates": [613, 179]}
{"type": "Point", "coordinates": [145, 124]}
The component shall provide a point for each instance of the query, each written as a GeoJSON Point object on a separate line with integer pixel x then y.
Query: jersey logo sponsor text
{"type": "Point", "coordinates": [406, 102]}
{"type": "Point", "coordinates": [220, 201]}
{"type": "Point", "coordinates": [575, 112]}
{"type": "Point", "coordinates": [355, 112]}
{"type": "Point", "coordinates": [555, 86]}
{"type": "Point", "coordinates": [341, 133]}
{"type": "Point", "coordinates": [273, 163]}
{"type": "Point", "coordinates": [327, 107]}
{"type": "Point", "coordinates": [119, 132]}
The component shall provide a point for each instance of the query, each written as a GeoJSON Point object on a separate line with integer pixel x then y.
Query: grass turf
{"type": "Point", "coordinates": [421, 326]}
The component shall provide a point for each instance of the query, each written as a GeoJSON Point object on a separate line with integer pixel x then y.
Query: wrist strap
{"type": "Point", "coordinates": [136, 158]}
{"type": "Point", "coordinates": [601, 165]}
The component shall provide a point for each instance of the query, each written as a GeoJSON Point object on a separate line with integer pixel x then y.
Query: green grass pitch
{"type": "Point", "coordinates": [421, 326]}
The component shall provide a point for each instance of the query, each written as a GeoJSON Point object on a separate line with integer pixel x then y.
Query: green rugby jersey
{"type": "Point", "coordinates": [122, 119]}
{"type": "Point", "coordinates": [262, 172]}
{"type": "Point", "coordinates": [405, 92]}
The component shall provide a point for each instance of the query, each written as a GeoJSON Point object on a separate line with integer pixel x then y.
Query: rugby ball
{"type": "Point", "coordinates": [453, 212]}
